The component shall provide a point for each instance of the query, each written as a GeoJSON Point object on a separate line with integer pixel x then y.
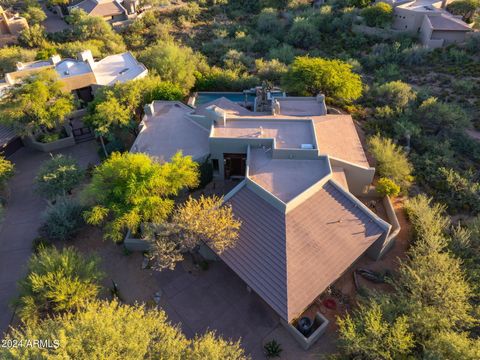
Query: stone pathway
{"type": "Point", "coordinates": [23, 218]}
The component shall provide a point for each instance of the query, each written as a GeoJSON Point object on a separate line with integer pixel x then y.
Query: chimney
{"type": "Point", "coordinates": [149, 109]}
{"type": "Point", "coordinates": [86, 56]}
{"type": "Point", "coordinates": [55, 59]}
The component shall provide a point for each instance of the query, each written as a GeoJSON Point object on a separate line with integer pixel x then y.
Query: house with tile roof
{"type": "Point", "coordinates": [299, 172]}
{"type": "Point", "coordinates": [430, 20]}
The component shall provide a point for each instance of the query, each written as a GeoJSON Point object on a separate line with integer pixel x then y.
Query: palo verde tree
{"type": "Point", "coordinates": [392, 162]}
{"type": "Point", "coordinates": [309, 76]}
{"type": "Point", "coordinates": [131, 189]}
{"type": "Point", "coordinates": [37, 105]}
{"type": "Point", "coordinates": [109, 330]}
{"type": "Point", "coordinates": [204, 220]}
{"type": "Point", "coordinates": [58, 176]}
{"type": "Point", "coordinates": [57, 281]}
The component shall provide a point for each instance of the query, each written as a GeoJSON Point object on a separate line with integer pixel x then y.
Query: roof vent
{"type": "Point", "coordinates": [123, 71]}
{"type": "Point", "coordinates": [307, 146]}
{"type": "Point", "coordinates": [66, 72]}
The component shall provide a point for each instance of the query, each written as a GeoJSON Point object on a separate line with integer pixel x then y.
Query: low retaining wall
{"type": "Point", "coordinates": [375, 31]}
{"type": "Point", "coordinates": [304, 342]}
{"type": "Point", "coordinates": [134, 244]}
{"type": "Point", "coordinates": [52, 146]}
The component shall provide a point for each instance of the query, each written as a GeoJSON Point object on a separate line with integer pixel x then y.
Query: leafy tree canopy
{"type": "Point", "coordinates": [38, 104]}
{"type": "Point", "coordinates": [132, 188]}
{"type": "Point", "coordinates": [57, 281]}
{"type": "Point", "coordinates": [58, 176]}
{"type": "Point", "coordinates": [174, 63]}
{"type": "Point", "coordinates": [123, 331]}
{"type": "Point", "coordinates": [308, 76]}
{"type": "Point", "coordinates": [205, 220]}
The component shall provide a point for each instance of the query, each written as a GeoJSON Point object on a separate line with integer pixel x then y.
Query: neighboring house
{"type": "Point", "coordinates": [299, 171]}
{"type": "Point", "coordinates": [111, 10]}
{"type": "Point", "coordinates": [434, 25]}
{"type": "Point", "coordinates": [82, 75]}
{"type": "Point", "coordinates": [10, 27]}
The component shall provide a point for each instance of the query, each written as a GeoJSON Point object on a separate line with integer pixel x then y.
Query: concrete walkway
{"type": "Point", "coordinates": [23, 218]}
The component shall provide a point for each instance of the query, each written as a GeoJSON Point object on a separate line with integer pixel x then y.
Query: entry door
{"type": "Point", "coordinates": [235, 165]}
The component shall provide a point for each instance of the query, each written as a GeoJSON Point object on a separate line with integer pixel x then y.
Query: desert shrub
{"type": "Point", "coordinates": [6, 171]}
{"type": "Point", "coordinates": [379, 14]}
{"type": "Point", "coordinates": [303, 33]}
{"type": "Point", "coordinates": [57, 281]}
{"type": "Point", "coordinates": [396, 94]}
{"type": "Point", "coordinates": [62, 220]}
{"type": "Point", "coordinates": [392, 162]}
{"type": "Point", "coordinates": [387, 187]}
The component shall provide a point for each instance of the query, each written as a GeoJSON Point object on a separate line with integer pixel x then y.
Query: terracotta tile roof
{"type": "Point", "coordinates": [290, 259]}
{"type": "Point", "coordinates": [337, 137]}
{"type": "Point", "coordinates": [447, 23]}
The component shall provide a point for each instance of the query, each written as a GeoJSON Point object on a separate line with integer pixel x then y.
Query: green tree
{"type": "Point", "coordinates": [452, 345]}
{"type": "Point", "coordinates": [392, 162]}
{"type": "Point", "coordinates": [57, 281]}
{"type": "Point", "coordinates": [33, 37]}
{"type": "Point", "coordinates": [109, 330]}
{"type": "Point", "coordinates": [34, 14]}
{"type": "Point", "coordinates": [58, 176]}
{"type": "Point", "coordinates": [10, 56]}
{"type": "Point", "coordinates": [310, 76]}
{"type": "Point", "coordinates": [86, 28]}
{"type": "Point", "coordinates": [174, 63]}
{"type": "Point", "coordinates": [435, 117]}
{"type": "Point", "coordinates": [379, 14]}
{"type": "Point", "coordinates": [204, 220]}
{"type": "Point", "coordinates": [131, 189]}
{"type": "Point", "coordinates": [368, 334]}
{"type": "Point", "coordinates": [466, 8]}
{"type": "Point", "coordinates": [37, 105]}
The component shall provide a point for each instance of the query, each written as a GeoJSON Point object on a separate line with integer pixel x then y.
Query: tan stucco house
{"type": "Point", "coordinates": [11, 25]}
{"type": "Point", "coordinates": [428, 19]}
{"type": "Point", "coordinates": [299, 172]}
{"type": "Point", "coordinates": [83, 74]}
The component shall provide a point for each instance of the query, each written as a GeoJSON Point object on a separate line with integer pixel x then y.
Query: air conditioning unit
{"type": "Point", "coordinates": [307, 146]}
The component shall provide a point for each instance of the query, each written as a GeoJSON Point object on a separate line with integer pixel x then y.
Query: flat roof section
{"type": "Point", "coordinates": [284, 178]}
{"type": "Point", "coordinates": [71, 67]}
{"type": "Point", "coordinates": [169, 131]}
{"type": "Point", "coordinates": [338, 137]}
{"type": "Point", "coordinates": [287, 134]}
{"type": "Point", "coordinates": [117, 68]}
{"type": "Point", "coordinates": [301, 107]}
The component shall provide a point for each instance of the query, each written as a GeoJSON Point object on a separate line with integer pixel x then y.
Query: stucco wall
{"type": "Point", "coordinates": [449, 37]}
{"type": "Point", "coordinates": [358, 178]}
